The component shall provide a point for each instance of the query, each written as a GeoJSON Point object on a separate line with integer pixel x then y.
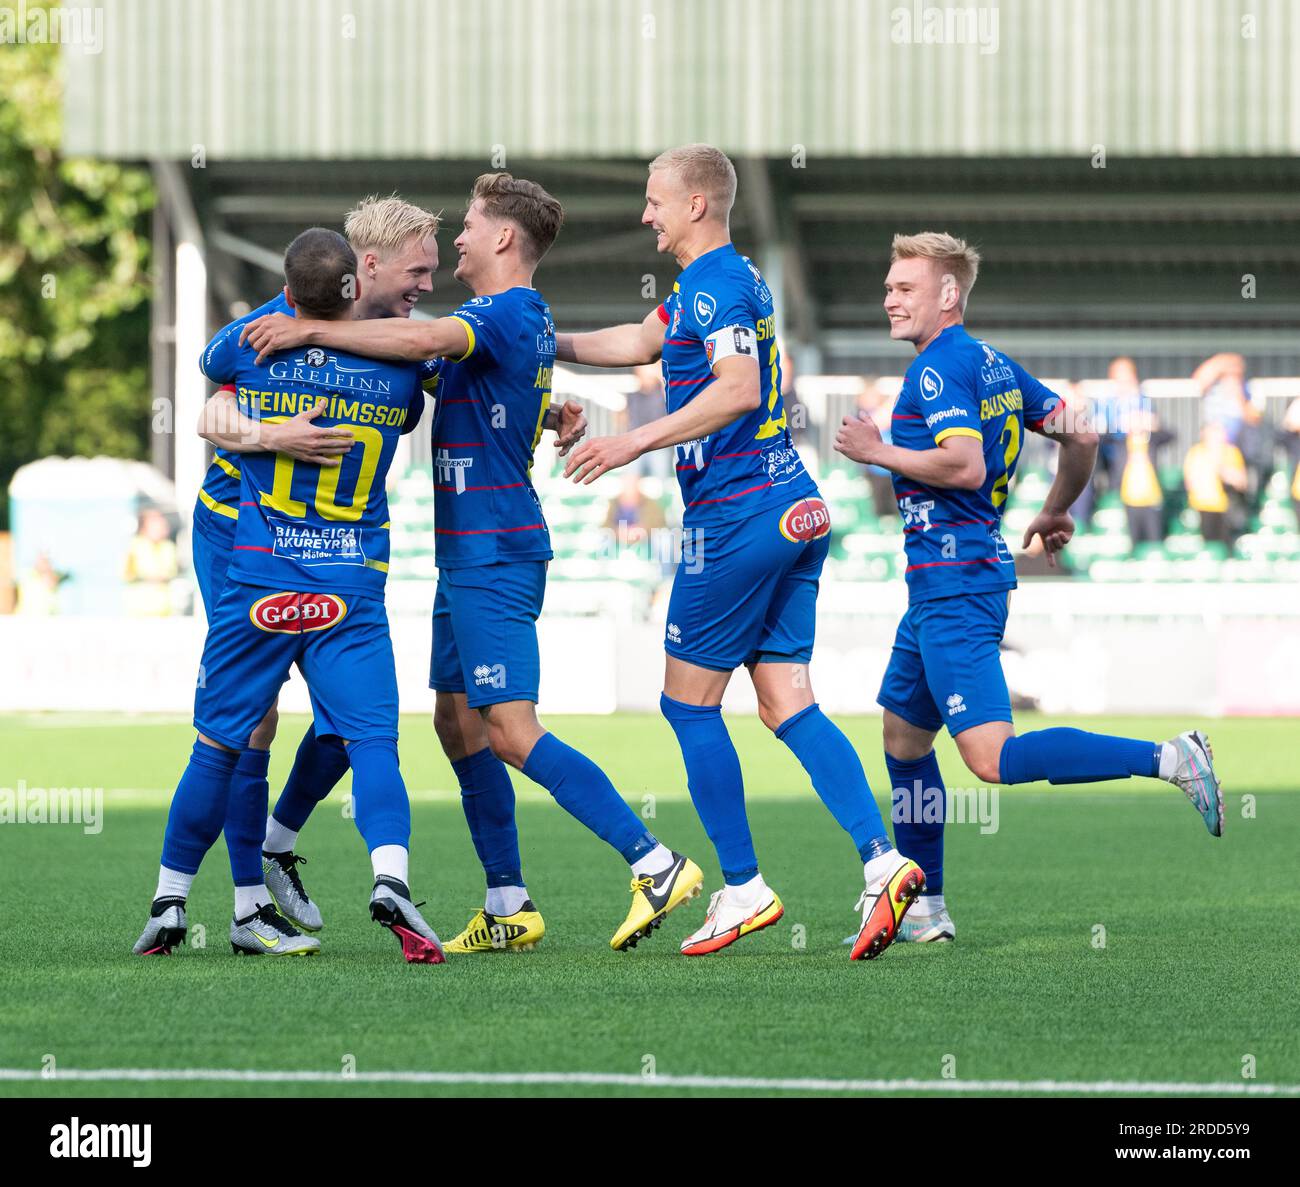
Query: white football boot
{"type": "Point", "coordinates": [734, 912]}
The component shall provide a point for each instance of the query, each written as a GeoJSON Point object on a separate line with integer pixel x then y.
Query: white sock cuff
{"type": "Point", "coordinates": [279, 839]}
{"type": "Point", "coordinates": [173, 884]}
{"type": "Point", "coordinates": [391, 861]}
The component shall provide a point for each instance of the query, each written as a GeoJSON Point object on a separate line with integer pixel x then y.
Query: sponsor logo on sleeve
{"type": "Point", "coordinates": [296, 613]}
{"type": "Point", "coordinates": [806, 520]}
{"type": "Point", "coordinates": [946, 414]}
{"type": "Point", "coordinates": [931, 384]}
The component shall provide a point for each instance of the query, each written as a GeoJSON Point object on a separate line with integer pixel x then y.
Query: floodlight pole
{"type": "Point", "coordinates": [189, 330]}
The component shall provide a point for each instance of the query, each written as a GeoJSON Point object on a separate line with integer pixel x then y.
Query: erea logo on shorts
{"type": "Point", "coordinates": [293, 613]}
{"type": "Point", "coordinates": [808, 519]}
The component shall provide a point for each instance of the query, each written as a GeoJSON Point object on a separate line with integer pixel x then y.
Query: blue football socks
{"type": "Point", "coordinates": [838, 778]}
{"type": "Point", "coordinates": [714, 780]}
{"type": "Point", "coordinates": [198, 809]}
{"type": "Point", "coordinates": [1064, 755]}
{"type": "Point", "coordinates": [383, 812]}
{"type": "Point", "coordinates": [317, 768]}
{"type": "Point", "coordinates": [583, 790]}
{"type": "Point", "coordinates": [488, 797]}
{"type": "Point", "coordinates": [246, 817]}
{"type": "Point", "coordinates": [920, 804]}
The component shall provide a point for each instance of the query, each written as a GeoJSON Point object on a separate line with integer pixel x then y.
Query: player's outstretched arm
{"type": "Point", "coordinates": [222, 423]}
{"type": "Point", "coordinates": [629, 345]}
{"type": "Point", "coordinates": [1078, 455]}
{"type": "Point", "coordinates": [957, 462]}
{"type": "Point", "coordinates": [383, 338]}
{"type": "Point", "coordinates": [734, 391]}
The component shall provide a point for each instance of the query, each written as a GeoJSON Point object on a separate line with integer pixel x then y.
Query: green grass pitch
{"type": "Point", "coordinates": [1196, 973]}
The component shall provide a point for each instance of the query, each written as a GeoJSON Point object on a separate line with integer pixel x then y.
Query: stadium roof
{"type": "Point", "coordinates": [345, 79]}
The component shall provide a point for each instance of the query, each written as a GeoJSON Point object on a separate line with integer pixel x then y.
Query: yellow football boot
{"type": "Point", "coordinates": [519, 932]}
{"type": "Point", "coordinates": [653, 897]}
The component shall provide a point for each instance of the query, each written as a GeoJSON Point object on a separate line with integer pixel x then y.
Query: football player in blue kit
{"type": "Point", "coordinates": [492, 548]}
{"type": "Point", "coordinates": [305, 586]}
{"type": "Point", "coordinates": [397, 254]}
{"type": "Point", "coordinates": [957, 431]}
{"type": "Point", "coordinates": [757, 534]}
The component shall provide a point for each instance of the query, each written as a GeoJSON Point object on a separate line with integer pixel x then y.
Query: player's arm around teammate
{"type": "Point", "coordinates": [222, 423]}
{"type": "Point", "coordinates": [404, 341]}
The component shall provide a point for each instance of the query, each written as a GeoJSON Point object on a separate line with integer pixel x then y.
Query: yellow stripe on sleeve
{"type": "Point", "coordinates": [472, 343]}
{"type": "Point", "coordinates": [960, 431]}
{"type": "Point", "coordinates": [221, 462]}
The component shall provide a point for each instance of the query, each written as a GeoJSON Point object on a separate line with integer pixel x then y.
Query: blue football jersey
{"type": "Point", "coordinates": [490, 405]}
{"type": "Point", "coordinates": [217, 507]}
{"type": "Point", "coordinates": [721, 306]}
{"type": "Point", "coordinates": [307, 527]}
{"type": "Point", "coordinates": [960, 386]}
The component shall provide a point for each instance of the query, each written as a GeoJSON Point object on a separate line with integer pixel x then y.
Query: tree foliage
{"type": "Point", "coordinates": [74, 284]}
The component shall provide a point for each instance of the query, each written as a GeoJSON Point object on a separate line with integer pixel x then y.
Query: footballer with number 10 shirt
{"type": "Point", "coordinates": [305, 586]}
{"type": "Point", "coordinates": [757, 535]}
{"type": "Point", "coordinates": [397, 254]}
{"type": "Point", "coordinates": [957, 430]}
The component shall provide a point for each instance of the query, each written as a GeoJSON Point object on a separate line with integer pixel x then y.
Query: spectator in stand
{"type": "Point", "coordinates": [644, 405]}
{"type": "Point", "coordinates": [1126, 406]}
{"type": "Point", "coordinates": [1139, 487]}
{"type": "Point", "coordinates": [38, 587]}
{"type": "Point", "coordinates": [1214, 470]}
{"type": "Point", "coordinates": [1115, 408]}
{"type": "Point", "coordinates": [151, 567]}
{"type": "Point", "coordinates": [1291, 427]}
{"type": "Point", "coordinates": [631, 515]}
{"type": "Point", "coordinates": [877, 404]}
{"type": "Point", "coordinates": [1227, 401]}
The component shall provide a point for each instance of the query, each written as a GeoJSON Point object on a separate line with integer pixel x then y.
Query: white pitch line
{"type": "Point", "coordinates": [651, 1083]}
